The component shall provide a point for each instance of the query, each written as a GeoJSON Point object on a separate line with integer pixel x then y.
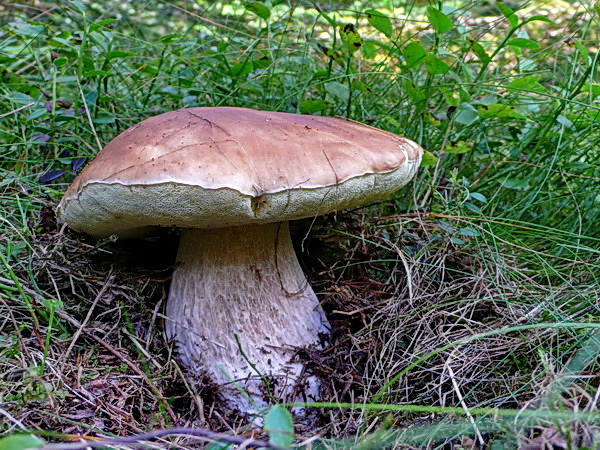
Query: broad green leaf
{"type": "Point", "coordinates": [472, 207]}
{"type": "Point", "coordinates": [36, 114]}
{"type": "Point", "coordinates": [338, 90]}
{"type": "Point", "coordinates": [479, 197]}
{"type": "Point", "coordinates": [440, 21]}
{"type": "Point", "coordinates": [242, 68]}
{"type": "Point", "coordinates": [524, 43]}
{"type": "Point", "coordinates": [97, 73]}
{"type": "Point", "coordinates": [457, 147]}
{"type": "Point", "coordinates": [564, 121]}
{"type": "Point", "coordinates": [527, 83]}
{"type": "Point", "coordinates": [59, 62]}
{"type": "Point", "coordinates": [104, 118]}
{"type": "Point", "coordinates": [100, 24]}
{"type": "Point", "coordinates": [515, 183]}
{"type": "Point", "coordinates": [450, 98]}
{"type": "Point", "coordinates": [469, 231]}
{"type": "Point", "coordinates": [583, 50]}
{"type": "Point", "coordinates": [350, 37]}
{"type": "Point", "coordinates": [429, 159]}
{"type": "Point", "coordinates": [466, 114]}
{"type": "Point", "coordinates": [312, 106]}
{"type": "Point", "coordinates": [20, 442]}
{"type": "Point", "coordinates": [478, 50]}
{"type": "Point", "coordinates": [79, 6]}
{"type": "Point", "coordinates": [593, 114]}
{"type": "Point", "coordinates": [415, 92]}
{"type": "Point", "coordinates": [259, 9]}
{"type": "Point", "coordinates": [330, 20]}
{"type": "Point", "coordinates": [279, 425]}
{"type": "Point", "coordinates": [414, 53]}
{"type": "Point", "coordinates": [499, 110]}
{"type": "Point", "coordinates": [21, 28]}
{"type": "Point", "coordinates": [538, 19]}
{"type": "Point", "coordinates": [593, 89]}
{"type": "Point", "coordinates": [380, 22]}
{"type": "Point", "coordinates": [434, 65]}
{"type": "Point", "coordinates": [510, 15]}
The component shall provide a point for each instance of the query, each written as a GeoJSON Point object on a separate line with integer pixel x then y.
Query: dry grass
{"type": "Point", "coordinates": [393, 293]}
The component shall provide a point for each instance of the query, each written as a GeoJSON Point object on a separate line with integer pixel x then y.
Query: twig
{"type": "Point", "coordinates": [107, 283]}
{"type": "Point", "coordinates": [20, 108]}
{"type": "Point", "coordinates": [87, 113]}
{"type": "Point", "coordinates": [460, 397]}
{"type": "Point", "coordinates": [137, 439]}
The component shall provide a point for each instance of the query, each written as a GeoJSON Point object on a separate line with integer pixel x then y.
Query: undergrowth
{"type": "Point", "coordinates": [465, 308]}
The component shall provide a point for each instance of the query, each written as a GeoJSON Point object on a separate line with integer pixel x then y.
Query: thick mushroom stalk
{"type": "Point", "coordinates": [239, 306]}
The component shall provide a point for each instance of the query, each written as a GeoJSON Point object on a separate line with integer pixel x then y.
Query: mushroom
{"type": "Point", "coordinates": [231, 178]}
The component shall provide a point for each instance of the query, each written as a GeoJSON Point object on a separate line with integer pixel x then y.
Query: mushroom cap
{"type": "Point", "coordinates": [222, 166]}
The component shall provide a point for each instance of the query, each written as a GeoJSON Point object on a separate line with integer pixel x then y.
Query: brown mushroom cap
{"type": "Point", "coordinates": [221, 166]}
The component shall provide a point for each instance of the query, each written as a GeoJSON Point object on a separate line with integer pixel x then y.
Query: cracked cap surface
{"type": "Point", "coordinates": [223, 166]}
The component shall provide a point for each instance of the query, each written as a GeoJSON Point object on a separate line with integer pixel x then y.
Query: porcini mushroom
{"type": "Point", "coordinates": [231, 178]}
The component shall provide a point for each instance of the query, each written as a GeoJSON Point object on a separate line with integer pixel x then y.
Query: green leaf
{"type": "Point", "coordinates": [524, 43]}
{"type": "Point", "coordinates": [259, 9]}
{"type": "Point", "coordinates": [457, 241]}
{"type": "Point", "coordinates": [469, 231]}
{"type": "Point", "coordinates": [21, 28]}
{"type": "Point", "coordinates": [242, 69]}
{"type": "Point", "coordinates": [339, 90]}
{"type": "Point", "coordinates": [478, 50]}
{"type": "Point", "coordinates": [100, 24]}
{"type": "Point", "coordinates": [119, 54]}
{"type": "Point", "coordinates": [434, 65]}
{"type": "Point", "coordinates": [539, 19]}
{"type": "Point", "coordinates": [414, 53]}
{"type": "Point", "coordinates": [350, 37]}
{"type": "Point", "coordinates": [104, 118]}
{"type": "Point", "coordinates": [457, 147]}
{"type": "Point", "coordinates": [593, 89]}
{"type": "Point", "coordinates": [97, 73]}
{"type": "Point", "coordinates": [466, 114]}
{"type": "Point", "coordinates": [440, 21]}
{"type": "Point", "coordinates": [20, 442]}
{"type": "Point", "coordinates": [312, 106]}
{"type": "Point", "coordinates": [472, 207]}
{"type": "Point", "coordinates": [515, 183]}
{"type": "Point", "coordinates": [583, 50]}
{"type": "Point", "coordinates": [79, 6]}
{"type": "Point", "coordinates": [59, 62]}
{"type": "Point", "coordinates": [330, 20]}
{"type": "Point", "coordinates": [380, 22]}
{"type": "Point", "coordinates": [36, 114]}
{"type": "Point", "coordinates": [527, 83]}
{"type": "Point", "coordinates": [429, 159]}
{"type": "Point", "coordinates": [479, 197]}
{"type": "Point", "coordinates": [499, 110]}
{"type": "Point", "coordinates": [170, 38]}
{"type": "Point", "coordinates": [279, 425]}
{"type": "Point", "coordinates": [510, 15]}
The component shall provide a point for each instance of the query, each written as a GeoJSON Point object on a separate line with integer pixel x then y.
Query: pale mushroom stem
{"type": "Point", "coordinates": [243, 287]}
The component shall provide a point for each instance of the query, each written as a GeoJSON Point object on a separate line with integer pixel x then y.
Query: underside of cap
{"type": "Point", "coordinates": [217, 167]}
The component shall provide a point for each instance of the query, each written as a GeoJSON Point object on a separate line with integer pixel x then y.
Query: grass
{"type": "Point", "coordinates": [465, 308]}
